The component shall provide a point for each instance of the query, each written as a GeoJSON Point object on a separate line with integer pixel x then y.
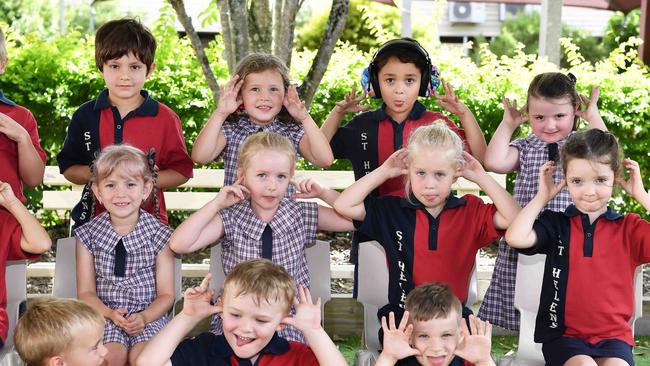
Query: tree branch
{"type": "Point", "coordinates": [186, 21]}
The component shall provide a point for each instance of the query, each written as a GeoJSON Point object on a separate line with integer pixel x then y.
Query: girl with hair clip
{"type": "Point", "coordinates": [124, 267]}
{"type": "Point", "coordinates": [259, 97]}
{"type": "Point", "coordinates": [552, 110]}
{"type": "Point", "coordinates": [429, 235]}
{"type": "Point", "coordinates": [582, 246]}
{"type": "Point", "coordinates": [255, 219]}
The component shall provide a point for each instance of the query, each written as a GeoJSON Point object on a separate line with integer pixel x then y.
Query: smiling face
{"type": "Point", "coordinates": [124, 78]}
{"type": "Point", "coordinates": [88, 348]}
{"type": "Point", "coordinates": [436, 339]}
{"type": "Point", "coordinates": [267, 175]}
{"type": "Point", "coordinates": [590, 185]}
{"type": "Point", "coordinates": [399, 83]}
{"type": "Point", "coordinates": [248, 325]}
{"type": "Point", "coordinates": [551, 119]}
{"type": "Point", "coordinates": [263, 95]}
{"type": "Point", "coordinates": [432, 171]}
{"type": "Point", "coordinates": [122, 193]}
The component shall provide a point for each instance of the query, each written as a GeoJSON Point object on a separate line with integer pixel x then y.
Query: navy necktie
{"type": "Point", "coordinates": [120, 259]}
{"type": "Point", "coordinates": [267, 242]}
{"type": "Point", "coordinates": [553, 152]}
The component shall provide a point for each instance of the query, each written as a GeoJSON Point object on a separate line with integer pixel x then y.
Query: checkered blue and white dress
{"type": "Point", "coordinates": [137, 289]}
{"type": "Point", "coordinates": [498, 303]}
{"type": "Point", "coordinates": [294, 227]}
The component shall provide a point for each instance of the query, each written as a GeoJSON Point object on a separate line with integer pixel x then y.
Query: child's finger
{"type": "Point", "coordinates": [405, 320]}
{"type": "Point", "coordinates": [473, 324]}
{"type": "Point", "coordinates": [205, 283]}
{"type": "Point", "coordinates": [384, 326]}
{"type": "Point", "coordinates": [464, 331]}
{"type": "Point", "coordinates": [391, 320]}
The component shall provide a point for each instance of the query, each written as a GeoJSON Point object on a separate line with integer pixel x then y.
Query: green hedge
{"type": "Point", "coordinates": [53, 77]}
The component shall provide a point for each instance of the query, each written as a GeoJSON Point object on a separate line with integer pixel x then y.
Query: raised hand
{"type": "Point", "coordinates": [395, 165]}
{"type": "Point", "coordinates": [294, 105]}
{"type": "Point", "coordinates": [547, 188]}
{"type": "Point", "coordinates": [196, 300]}
{"type": "Point", "coordinates": [449, 101]}
{"type": "Point", "coordinates": [307, 188]}
{"type": "Point", "coordinates": [634, 184]}
{"type": "Point", "coordinates": [590, 112]}
{"type": "Point", "coordinates": [7, 195]}
{"type": "Point", "coordinates": [230, 195]}
{"type": "Point", "coordinates": [351, 103]}
{"type": "Point", "coordinates": [471, 168]}
{"type": "Point", "coordinates": [229, 98]}
{"type": "Point", "coordinates": [12, 129]}
{"type": "Point", "coordinates": [396, 338]}
{"type": "Point", "coordinates": [308, 313]}
{"type": "Point", "coordinates": [475, 346]}
{"type": "Point", "coordinates": [511, 115]}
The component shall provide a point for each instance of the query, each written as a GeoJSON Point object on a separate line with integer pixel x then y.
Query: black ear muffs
{"type": "Point", "coordinates": [409, 43]}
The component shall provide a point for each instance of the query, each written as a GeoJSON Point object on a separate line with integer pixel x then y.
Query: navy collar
{"type": "Point", "coordinates": [413, 203]}
{"type": "Point", "coordinates": [6, 100]}
{"type": "Point", "coordinates": [610, 214]}
{"type": "Point", "coordinates": [416, 112]}
{"type": "Point", "coordinates": [276, 346]}
{"type": "Point", "coordinates": [148, 108]}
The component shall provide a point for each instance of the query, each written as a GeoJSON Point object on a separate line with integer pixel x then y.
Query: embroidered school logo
{"type": "Point", "coordinates": [402, 270]}
{"type": "Point", "coordinates": [552, 310]}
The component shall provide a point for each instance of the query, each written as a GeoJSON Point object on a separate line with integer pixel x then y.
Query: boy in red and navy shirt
{"type": "Point", "coordinates": [21, 157]}
{"type": "Point", "coordinates": [124, 113]}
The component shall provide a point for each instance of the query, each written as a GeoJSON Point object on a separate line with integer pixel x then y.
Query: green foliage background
{"type": "Point", "coordinates": [52, 77]}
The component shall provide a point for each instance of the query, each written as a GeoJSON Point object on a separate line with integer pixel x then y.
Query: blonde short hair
{"type": "Point", "coordinates": [265, 141]}
{"type": "Point", "coordinates": [263, 280]}
{"type": "Point", "coordinates": [49, 325]}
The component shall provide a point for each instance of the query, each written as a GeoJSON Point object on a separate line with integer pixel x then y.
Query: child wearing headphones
{"type": "Point", "coordinates": [399, 72]}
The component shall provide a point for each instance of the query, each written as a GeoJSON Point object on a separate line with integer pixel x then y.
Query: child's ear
{"type": "Point", "coordinates": [55, 361]}
{"type": "Point", "coordinates": [148, 187]}
{"type": "Point", "coordinates": [240, 174]}
{"type": "Point", "coordinates": [95, 189]}
{"type": "Point", "coordinates": [150, 69]}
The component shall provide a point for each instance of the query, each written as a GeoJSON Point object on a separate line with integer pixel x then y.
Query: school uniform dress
{"type": "Point", "coordinates": [498, 304]}
{"type": "Point", "coordinates": [293, 228]}
{"type": "Point", "coordinates": [587, 296]}
{"type": "Point", "coordinates": [9, 148]}
{"type": "Point", "coordinates": [208, 349]}
{"type": "Point", "coordinates": [10, 250]}
{"type": "Point", "coordinates": [135, 289]}
{"type": "Point", "coordinates": [237, 131]}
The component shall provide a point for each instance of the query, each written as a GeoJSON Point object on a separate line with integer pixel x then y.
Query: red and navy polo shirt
{"type": "Point", "coordinates": [9, 148]}
{"type": "Point", "coordinates": [97, 124]}
{"type": "Point", "coordinates": [412, 361]}
{"type": "Point", "coordinates": [588, 283]}
{"type": "Point", "coordinates": [208, 349]}
{"type": "Point", "coordinates": [421, 248]}
{"type": "Point", "coordinates": [371, 137]}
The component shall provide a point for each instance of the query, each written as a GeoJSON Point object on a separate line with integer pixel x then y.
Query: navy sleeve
{"type": "Point", "coordinates": [546, 228]}
{"type": "Point", "coordinates": [342, 140]}
{"type": "Point", "coordinates": [74, 150]}
{"type": "Point", "coordinates": [195, 351]}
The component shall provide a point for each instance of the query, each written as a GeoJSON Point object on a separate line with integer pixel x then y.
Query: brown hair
{"type": "Point", "coordinates": [555, 85]}
{"type": "Point", "coordinates": [260, 62]}
{"type": "Point", "coordinates": [120, 37]}
{"type": "Point", "coordinates": [432, 300]}
{"type": "Point", "coordinates": [265, 141]}
{"type": "Point", "coordinates": [263, 280]}
{"type": "Point", "coordinates": [49, 325]}
{"type": "Point", "coordinates": [132, 159]}
{"type": "Point", "coordinates": [593, 145]}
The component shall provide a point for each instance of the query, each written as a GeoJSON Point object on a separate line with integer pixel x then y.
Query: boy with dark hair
{"type": "Point", "coordinates": [398, 73]}
{"type": "Point", "coordinates": [432, 332]}
{"type": "Point", "coordinates": [124, 113]}
{"type": "Point", "coordinates": [60, 332]}
{"type": "Point", "coordinates": [254, 304]}
{"type": "Point", "coordinates": [22, 237]}
{"type": "Point", "coordinates": [21, 157]}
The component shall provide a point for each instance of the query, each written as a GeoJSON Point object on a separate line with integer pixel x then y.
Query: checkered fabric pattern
{"type": "Point", "coordinates": [115, 334]}
{"type": "Point", "coordinates": [237, 132]}
{"type": "Point", "coordinates": [498, 303]}
{"type": "Point", "coordinates": [137, 289]}
{"type": "Point", "coordinates": [294, 227]}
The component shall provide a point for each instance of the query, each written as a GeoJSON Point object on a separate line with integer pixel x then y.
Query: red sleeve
{"type": "Point", "coordinates": [31, 127]}
{"type": "Point", "coordinates": [483, 214]}
{"type": "Point", "coordinates": [637, 233]}
{"type": "Point", "coordinates": [174, 155]}
{"type": "Point", "coordinates": [11, 234]}
{"type": "Point", "coordinates": [302, 354]}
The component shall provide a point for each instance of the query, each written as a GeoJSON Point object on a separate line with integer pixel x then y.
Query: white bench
{"type": "Point", "coordinates": [212, 179]}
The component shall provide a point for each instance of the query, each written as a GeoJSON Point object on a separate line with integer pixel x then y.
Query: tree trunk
{"type": "Point", "coordinates": [239, 24]}
{"type": "Point", "coordinates": [335, 24]}
{"type": "Point", "coordinates": [260, 26]}
{"type": "Point", "coordinates": [284, 27]}
{"type": "Point", "coordinates": [226, 35]}
{"type": "Point", "coordinates": [186, 21]}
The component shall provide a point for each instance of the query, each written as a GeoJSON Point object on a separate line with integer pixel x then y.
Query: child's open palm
{"type": "Point", "coordinates": [450, 101]}
{"type": "Point", "coordinates": [294, 105]}
{"type": "Point", "coordinates": [511, 114]}
{"type": "Point", "coordinates": [7, 195]}
{"type": "Point", "coordinates": [634, 184]}
{"type": "Point", "coordinates": [196, 300]}
{"type": "Point", "coordinates": [475, 346]}
{"type": "Point", "coordinates": [308, 313]}
{"type": "Point", "coordinates": [229, 99]}
{"type": "Point", "coordinates": [351, 103]}
{"type": "Point", "coordinates": [547, 188]}
{"type": "Point", "coordinates": [472, 168]}
{"type": "Point", "coordinates": [396, 338]}
{"type": "Point", "coordinates": [395, 165]}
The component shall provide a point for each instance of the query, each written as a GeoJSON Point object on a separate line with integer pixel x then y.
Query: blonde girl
{"type": "Point", "coordinates": [124, 267]}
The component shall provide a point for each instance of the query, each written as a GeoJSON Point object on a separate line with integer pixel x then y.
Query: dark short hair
{"type": "Point", "coordinates": [432, 300]}
{"type": "Point", "coordinates": [404, 52]}
{"type": "Point", "coordinates": [593, 145]}
{"type": "Point", "coordinates": [120, 37]}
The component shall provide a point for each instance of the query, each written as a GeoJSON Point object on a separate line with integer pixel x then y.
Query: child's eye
{"type": "Point", "coordinates": [109, 185]}
{"type": "Point", "coordinates": [262, 321]}
{"type": "Point", "coordinates": [447, 335]}
{"type": "Point", "coordinates": [275, 89]}
{"type": "Point", "coordinates": [282, 176]}
{"type": "Point", "coordinates": [441, 174]}
{"type": "Point", "coordinates": [575, 181]}
{"type": "Point", "coordinates": [131, 184]}
{"type": "Point", "coordinates": [235, 315]}
{"type": "Point", "coordinates": [255, 89]}
{"type": "Point", "coordinates": [420, 173]}
{"type": "Point", "coordinates": [136, 67]}
{"type": "Point", "coordinates": [423, 336]}
{"type": "Point", "coordinates": [261, 175]}
{"type": "Point", "coordinates": [410, 81]}
{"type": "Point", "coordinates": [602, 180]}
{"type": "Point", "coordinates": [390, 80]}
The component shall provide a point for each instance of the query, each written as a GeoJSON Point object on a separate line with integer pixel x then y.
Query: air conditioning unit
{"type": "Point", "coordinates": [462, 12]}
